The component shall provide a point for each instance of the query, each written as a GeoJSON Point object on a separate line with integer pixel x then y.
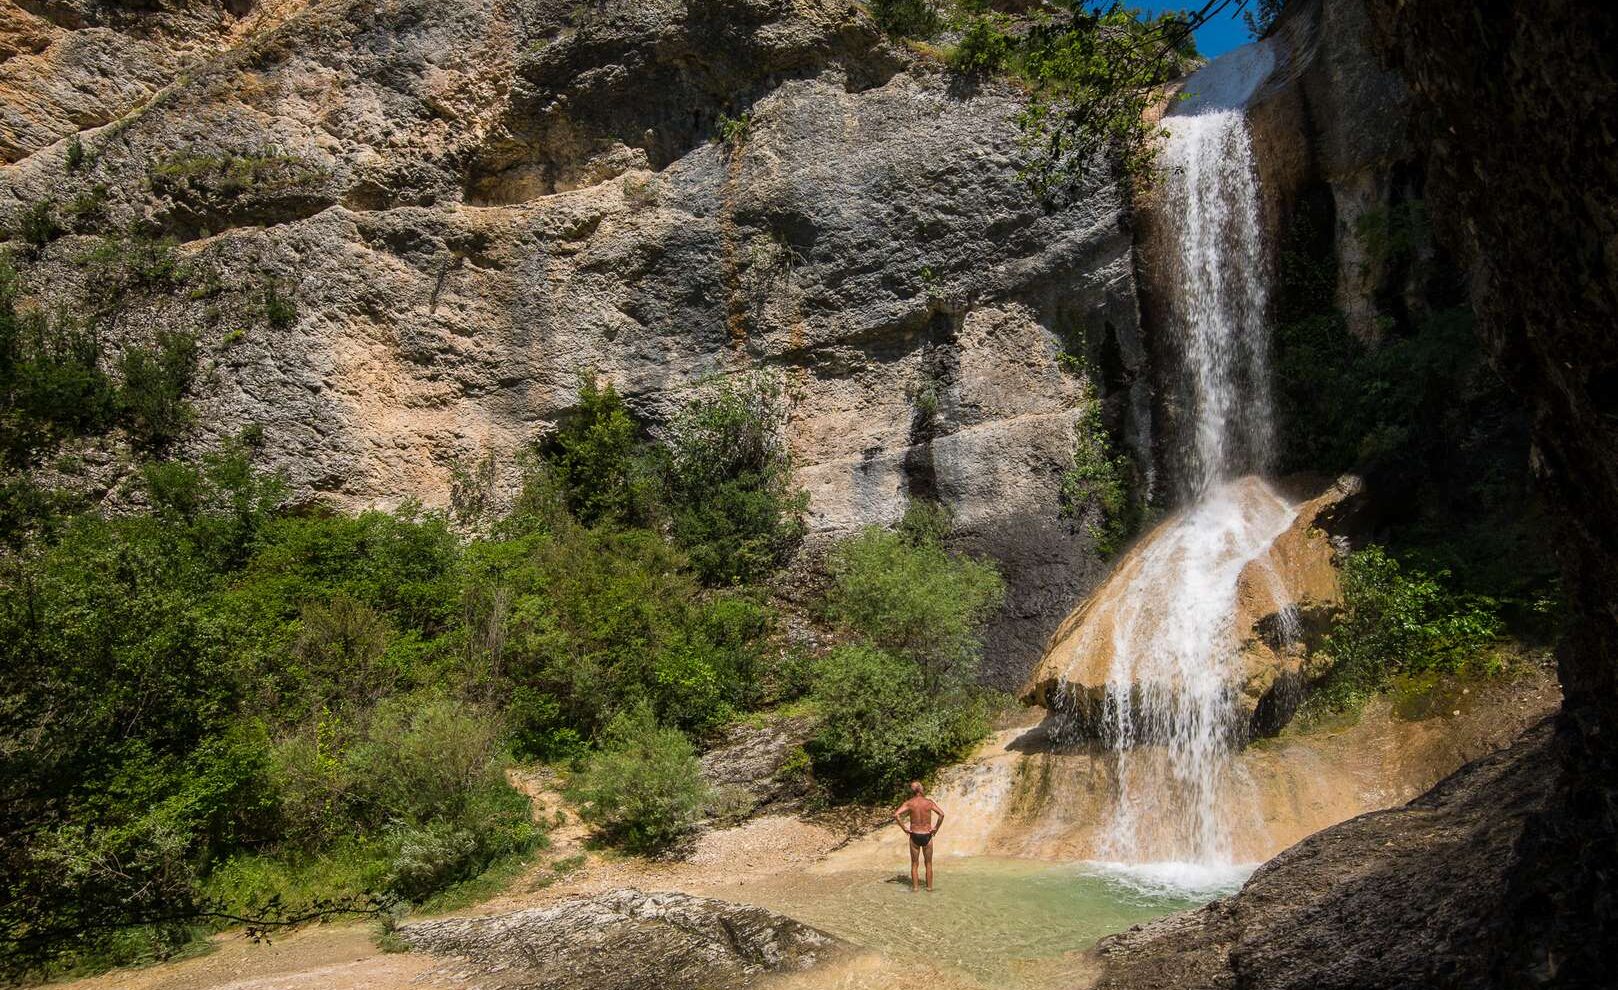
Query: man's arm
{"type": "Point", "coordinates": [898, 814]}
{"type": "Point", "coordinates": [940, 813]}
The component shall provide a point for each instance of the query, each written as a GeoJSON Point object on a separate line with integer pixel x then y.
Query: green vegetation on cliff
{"type": "Point", "coordinates": [1457, 557]}
{"type": "Point", "coordinates": [1091, 70]}
{"type": "Point", "coordinates": [1397, 621]}
{"type": "Point", "coordinates": [1407, 398]}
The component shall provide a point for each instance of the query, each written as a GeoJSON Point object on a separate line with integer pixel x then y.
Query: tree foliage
{"type": "Point", "coordinates": [1092, 71]}
{"type": "Point", "coordinates": [643, 787]}
{"type": "Point", "coordinates": [900, 699]}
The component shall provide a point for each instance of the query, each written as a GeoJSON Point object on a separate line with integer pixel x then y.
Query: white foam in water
{"type": "Point", "coordinates": [1174, 879]}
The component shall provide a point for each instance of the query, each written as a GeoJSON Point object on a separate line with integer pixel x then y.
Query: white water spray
{"type": "Point", "coordinates": [1169, 623]}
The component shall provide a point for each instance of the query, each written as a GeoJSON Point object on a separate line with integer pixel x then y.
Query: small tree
{"type": "Point", "coordinates": [905, 594]}
{"type": "Point", "coordinates": [598, 463]}
{"type": "Point", "coordinates": [643, 788]}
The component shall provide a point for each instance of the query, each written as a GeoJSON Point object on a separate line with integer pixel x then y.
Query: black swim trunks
{"type": "Point", "coordinates": [921, 839]}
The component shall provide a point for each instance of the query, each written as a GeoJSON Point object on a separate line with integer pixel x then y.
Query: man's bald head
{"type": "Point", "coordinates": [916, 788]}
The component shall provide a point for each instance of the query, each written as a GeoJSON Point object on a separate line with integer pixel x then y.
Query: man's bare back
{"type": "Point", "coordinates": [920, 811]}
{"type": "Point", "coordinates": [921, 828]}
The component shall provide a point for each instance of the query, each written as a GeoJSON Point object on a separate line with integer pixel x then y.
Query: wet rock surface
{"type": "Point", "coordinates": [623, 940]}
{"type": "Point", "coordinates": [1284, 600]}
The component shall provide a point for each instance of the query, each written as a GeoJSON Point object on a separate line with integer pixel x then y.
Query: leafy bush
{"type": "Point", "coordinates": [1095, 490]}
{"type": "Point", "coordinates": [1091, 71]}
{"type": "Point", "coordinates": [76, 157]}
{"type": "Point", "coordinates": [596, 620]}
{"type": "Point", "coordinates": [602, 471]}
{"type": "Point", "coordinates": [882, 724]}
{"type": "Point", "coordinates": [904, 593]}
{"type": "Point", "coordinates": [906, 18]}
{"type": "Point", "coordinates": [984, 48]}
{"type": "Point", "coordinates": [281, 311]}
{"type": "Point", "coordinates": [900, 702]}
{"type": "Point", "coordinates": [643, 788]}
{"type": "Point", "coordinates": [224, 177]}
{"type": "Point", "coordinates": [39, 225]}
{"type": "Point", "coordinates": [733, 507]}
{"type": "Point", "coordinates": [1397, 621]}
{"type": "Point", "coordinates": [153, 387]}
{"type": "Point", "coordinates": [734, 131]}
{"type": "Point", "coordinates": [118, 266]}
{"type": "Point", "coordinates": [51, 383]}
{"type": "Point", "coordinates": [430, 857]}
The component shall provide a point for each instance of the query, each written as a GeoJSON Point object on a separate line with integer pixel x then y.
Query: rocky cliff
{"type": "Point", "coordinates": [405, 227]}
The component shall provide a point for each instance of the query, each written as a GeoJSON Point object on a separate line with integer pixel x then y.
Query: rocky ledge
{"type": "Point", "coordinates": [624, 940]}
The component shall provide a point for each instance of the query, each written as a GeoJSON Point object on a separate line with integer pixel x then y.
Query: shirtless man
{"type": "Point", "coordinates": [921, 828]}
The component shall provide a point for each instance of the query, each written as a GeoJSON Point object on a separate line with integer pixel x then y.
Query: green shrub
{"type": "Point", "coordinates": [732, 504]}
{"type": "Point", "coordinates": [733, 131]}
{"type": "Point", "coordinates": [428, 858]}
{"type": "Point", "coordinates": [153, 386]}
{"type": "Point", "coordinates": [599, 466]}
{"type": "Point", "coordinates": [52, 386]}
{"type": "Point", "coordinates": [224, 177]}
{"type": "Point", "coordinates": [596, 620]}
{"type": "Point", "coordinates": [883, 724]}
{"type": "Point", "coordinates": [281, 311]}
{"type": "Point", "coordinates": [1095, 491]}
{"type": "Point", "coordinates": [1397, 621]}
{"type": "Point", "coordinates": [539, 729]}
{"type": "Point", "coordinates": [905, 594]}
{"type": "Point", "coordinates": [906, 18]}
{"type": "Point", "coordinates": [985, 47]}
{"type": "Point", "coordinates": [88, 209]}
{"type": "Point", "coordinates": [643, 787]}
{"type": "Point", "coordinates": [900, 702]}
{"type": "Point", "coordinates": [38, 225]}
{"type": "Point", "coordinates": [76, 157]}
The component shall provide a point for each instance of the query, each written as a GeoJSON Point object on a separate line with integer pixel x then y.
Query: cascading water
{"type": "Point", "coordinates": [1168, 620]}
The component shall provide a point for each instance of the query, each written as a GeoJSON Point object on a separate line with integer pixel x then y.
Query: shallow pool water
{"type": "Point", "coordinates": [1000, 922]}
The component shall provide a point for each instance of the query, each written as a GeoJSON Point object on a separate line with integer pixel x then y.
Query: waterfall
{"type": "Point", "coordinates": [1169, 624]}
{"type": "Point", "coordinates": [1211, 198]}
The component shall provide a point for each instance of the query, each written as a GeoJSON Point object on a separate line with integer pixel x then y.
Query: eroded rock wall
{"type": "Point", "coordinates": [468, 203]}
{"type": "Point", "coordinates": [1511, 100]}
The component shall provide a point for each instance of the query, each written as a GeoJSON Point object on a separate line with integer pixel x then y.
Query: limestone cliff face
{"type": "Point", "coordinates": [469, 202]}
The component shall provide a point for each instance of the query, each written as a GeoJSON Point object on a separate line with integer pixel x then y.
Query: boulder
{"type": "Point", "coordinates": [1408, 897]}
{"type": "Point", "coordinates": [623, 940]}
